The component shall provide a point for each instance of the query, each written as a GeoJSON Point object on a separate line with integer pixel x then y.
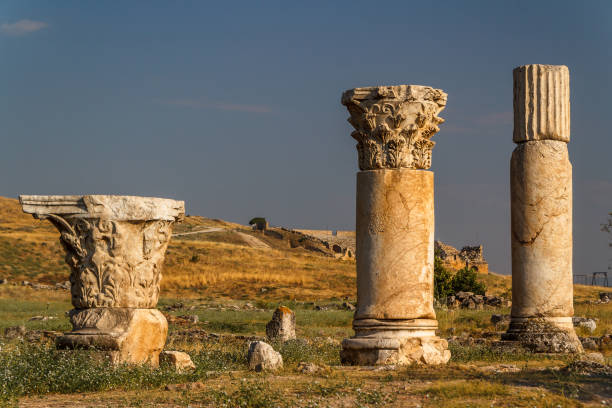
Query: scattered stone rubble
{"type": "Point", "coordinates": [585, 322]}
{"type": "Point", "coordinates": [588, 368]}
{"type": "Point", "coordinates": [21, 332]}
{"type": "Point", "coordinates": [312, 368]}
{"type": "Point", "coordinates": [597, 342]}
{"type": "Point", "coordinates": [38, 286]}
{"type": "Point", "coordinates": [468, 300]}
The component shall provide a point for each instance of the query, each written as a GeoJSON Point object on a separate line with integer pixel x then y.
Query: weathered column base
{"type": "Point", "coordinates": [125, 335]}
{"type": "Point", "coordinates": [544, 334]}
{"type": "Point", "coordinates": [402, 342]}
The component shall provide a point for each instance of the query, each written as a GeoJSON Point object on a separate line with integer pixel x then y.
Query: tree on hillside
{"type": "Point", "coordinates": [259, 223]}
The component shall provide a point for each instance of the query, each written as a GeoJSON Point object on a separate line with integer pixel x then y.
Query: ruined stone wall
{"type": "Point", "coordinates": [470, 256]}
{"type": "Point", "coordinates": [342, 243]}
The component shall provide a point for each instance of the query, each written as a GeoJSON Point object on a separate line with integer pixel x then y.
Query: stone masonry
{"type": "Point", "coordinates": [115, 247]}
{"type": "Point", "coordinates": [395, 321]}
{"type": "Point", "coordinates": [468, 256]}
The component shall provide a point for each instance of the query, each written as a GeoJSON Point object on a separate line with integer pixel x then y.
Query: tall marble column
{"type": "Point", "coordinates": [115, 247]}
{"type": "Point", "coordinates": [395, 322]}
{"type": "Point", "coordinates": [541, 212]}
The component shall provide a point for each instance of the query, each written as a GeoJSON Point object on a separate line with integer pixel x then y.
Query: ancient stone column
{"type": "Point", "coordinates": [541, 212]}
{"type": "Point", "coordinates": [395, 322]}
{"type": "Point", "coordinates": [115, 247]}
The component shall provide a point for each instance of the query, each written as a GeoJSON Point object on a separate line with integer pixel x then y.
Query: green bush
{"type": "Point", "coordinates": [443, 280]}
{"type": "Point", "coordinates": [445, 283]}
{"type": "Point", "coordinates": [466, 280]}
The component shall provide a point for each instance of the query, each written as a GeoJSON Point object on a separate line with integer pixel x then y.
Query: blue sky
{"type": "Point", "coordinates": [234, 107]}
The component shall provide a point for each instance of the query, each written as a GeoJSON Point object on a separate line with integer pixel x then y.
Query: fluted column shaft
{"type": "Point", "coordinates": [541, 211]}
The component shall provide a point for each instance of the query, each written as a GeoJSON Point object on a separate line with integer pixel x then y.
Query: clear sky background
{"type": "Point", "coordinates": [234, 107]}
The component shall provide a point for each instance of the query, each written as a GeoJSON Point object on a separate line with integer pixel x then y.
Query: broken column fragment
{"type": "Point", "coordinates": [115, 247]}
{"type": "Point", "coordinates": [395, 322]}
{"type": "Point", "coordinates": [282, 325]}
{"type": "Point", "coordinates": [541, 212]}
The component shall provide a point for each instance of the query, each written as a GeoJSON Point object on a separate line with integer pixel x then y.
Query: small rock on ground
{"type": "Point", "coordinates": [262, 356]}
{"type": "Point", "coordinates": [178, 360]}
{"type": "Point", "coordinates": [311, 368]}
{"type": "Point", "coordinates": [594, 357]}
{"type": "Point", "coordinates": [198, 385]}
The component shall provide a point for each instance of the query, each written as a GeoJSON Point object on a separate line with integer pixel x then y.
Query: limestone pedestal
{"type": "Point", "coordinates": [395, 322]}
{"type": "Point", "coordinates": [541, 212]}
{"type": "Point", "coordinates": [115, 247]}
{"type": "Point", "coordinates": [126, 335]}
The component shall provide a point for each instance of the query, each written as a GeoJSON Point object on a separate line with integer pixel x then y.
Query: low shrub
{"type": "Point", "coordinates": [464, 280]}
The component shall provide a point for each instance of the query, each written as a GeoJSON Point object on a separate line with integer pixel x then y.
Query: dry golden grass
{"type": "Point", "coordinates": [238, 271]}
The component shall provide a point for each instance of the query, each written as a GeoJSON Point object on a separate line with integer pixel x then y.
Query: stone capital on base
{"type": "Point", "coordinates": [115, 248]}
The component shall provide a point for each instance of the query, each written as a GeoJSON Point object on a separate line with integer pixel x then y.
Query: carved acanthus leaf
{"type": "Point", "coordinates": [105, 273]}
{"type": "Point", "coordinates": [393, 124]}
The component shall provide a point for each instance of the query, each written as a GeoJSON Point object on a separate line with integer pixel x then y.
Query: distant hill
{"type": "Point", "coordinates": [210, 258]}
{"type": "Point", "coordinates": [206, 257]}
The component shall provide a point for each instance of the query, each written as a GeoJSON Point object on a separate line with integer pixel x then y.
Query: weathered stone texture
{"type": "Point", "coordinates": [394, 124]}
{"type": "Point", "coordinates": [262, 356]}
{"type": "Point", "coordinates": [541, 212]}
{"type": "Point", "coordinates": [395, 252]}
{"type": "Point", "coordinates": [282, 325]}
{"type": "Point", "coordinates": [541, 103]}
{"type": "Point", "coordinates": [126, 335]}
{"type": "Point", "coordinates": [115, 247]}
{"type": "Point", "coordinates": [178, 360]}
{"type": "Point", "coordinates": [468, 256]}
{"type": "Point", "coordinates": [395, 321]}
{"type": "Point", "coordinates": [541, 215]}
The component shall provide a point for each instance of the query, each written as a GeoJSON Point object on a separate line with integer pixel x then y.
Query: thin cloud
{"type": "Point", "coordinates": [191, 103]}
{"type": "Point", "coordinates": [498, 118]}
{"type": "Point", "coordinates": [22, 27]}
{"type": "Point", "coordinates": [478, 123]}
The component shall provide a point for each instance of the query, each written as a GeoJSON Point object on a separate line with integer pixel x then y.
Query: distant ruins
{"type": "Point", "coordinates": [469, 256]}
{"type": "Point", "coordinates": [341, 243]}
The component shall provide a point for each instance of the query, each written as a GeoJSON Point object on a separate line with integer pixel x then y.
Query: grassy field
{"type": "Point", "coordinates": [233, 289]}
{"type": "Point", "coordinates": [478, 375]}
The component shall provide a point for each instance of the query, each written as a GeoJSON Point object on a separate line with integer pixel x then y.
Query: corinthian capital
{"type": "Point", "coordinates": [115, 245]}
{"type": "Point", "coordinates": [394, 124]}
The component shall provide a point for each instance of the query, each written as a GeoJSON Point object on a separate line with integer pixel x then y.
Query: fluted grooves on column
{"type": "Point", "coordinates": [541, 103]}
